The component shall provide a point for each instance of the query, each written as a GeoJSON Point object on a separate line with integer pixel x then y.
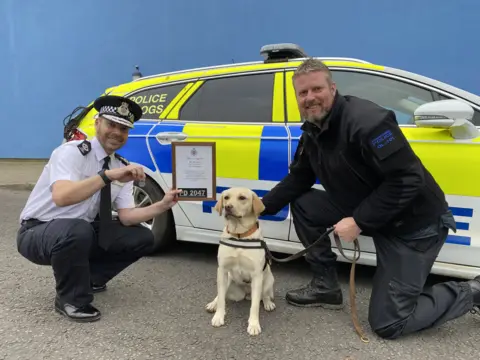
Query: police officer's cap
{"type": "Point", "coordinates": [118, 109]}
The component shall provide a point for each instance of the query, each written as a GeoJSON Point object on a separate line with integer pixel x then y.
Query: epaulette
{"type": "Point", "coordinates": [122, 159]}
{"type": "Point", "coordinates": [85, 147]}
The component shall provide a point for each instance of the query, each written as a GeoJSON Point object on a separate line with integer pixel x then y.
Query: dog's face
{"type": "Point", "coordinates": [238, 202]}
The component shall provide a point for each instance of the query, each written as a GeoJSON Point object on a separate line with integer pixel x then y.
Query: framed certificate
{"type": "Point", "coordinates": [194, 170]}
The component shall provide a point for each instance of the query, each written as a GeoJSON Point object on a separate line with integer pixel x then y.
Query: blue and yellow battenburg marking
{"type": "Point", "coordinates": [269, 158]}
{"type": "Point", "coordinates": [262, 150]}
{"type": "Point", "coordinates": [263, 155]}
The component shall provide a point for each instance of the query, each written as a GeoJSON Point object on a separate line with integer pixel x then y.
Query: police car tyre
{"type": "Point", "coordinates": [163, 225]}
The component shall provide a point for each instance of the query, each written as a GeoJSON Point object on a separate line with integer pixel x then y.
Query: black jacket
{"type": "Point", "coordinates": [368, 168]}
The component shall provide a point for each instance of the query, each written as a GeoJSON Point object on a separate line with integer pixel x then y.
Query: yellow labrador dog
{"type": "Point", "coordinates": [243, 271]}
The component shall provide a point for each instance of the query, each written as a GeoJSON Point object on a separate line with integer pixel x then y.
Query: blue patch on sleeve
{"type": "Point", "coordinates": [385, 144]}
{"type": "Point", "coordinates": [383, 140]}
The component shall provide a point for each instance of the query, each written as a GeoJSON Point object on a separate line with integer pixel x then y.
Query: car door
{"type": "Point", "coordinates": [452, 163]}
{"type": "Point", "coordinates": [243, 115]}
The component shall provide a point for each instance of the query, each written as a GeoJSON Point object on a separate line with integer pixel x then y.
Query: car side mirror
{"type": "Point", "coordinates": [454, 115]}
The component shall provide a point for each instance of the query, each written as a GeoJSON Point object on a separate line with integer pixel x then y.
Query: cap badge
{"type": "Point", "coordinates": [123, 109]}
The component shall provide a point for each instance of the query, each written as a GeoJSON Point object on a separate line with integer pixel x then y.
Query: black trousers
{"type": "Point", "coordinates": [70, 246]}
{"type": "Point", "coordinates": [399, 303]}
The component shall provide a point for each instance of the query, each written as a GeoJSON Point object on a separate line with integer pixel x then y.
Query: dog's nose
{"type": "Point", "coordinates": [228, 207]}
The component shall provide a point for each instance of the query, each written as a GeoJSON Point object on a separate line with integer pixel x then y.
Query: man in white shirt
{"type": "Point", "coordinates": [67, 220]}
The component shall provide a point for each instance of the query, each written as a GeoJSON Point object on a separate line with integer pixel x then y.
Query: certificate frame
{"type": "Point", "coordinates": [212, 184]}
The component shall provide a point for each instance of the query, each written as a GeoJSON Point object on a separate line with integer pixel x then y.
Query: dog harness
{"type": "Point", "coordinates": [239, 241]}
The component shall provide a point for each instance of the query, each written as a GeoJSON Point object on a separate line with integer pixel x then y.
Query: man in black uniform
{"type": "Point", "coordinates": [375, 185]}
{"type": "Point", "coordinates": [67, 221]}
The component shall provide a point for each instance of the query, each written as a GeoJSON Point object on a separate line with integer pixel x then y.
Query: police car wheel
{"type": "Point", "coordinates": [162, 226]}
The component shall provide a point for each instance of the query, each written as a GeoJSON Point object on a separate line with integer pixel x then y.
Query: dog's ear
{"type": "Point", "coordinates": [257, 204]}
{"type": "Point", "coordinates": [219, 205]}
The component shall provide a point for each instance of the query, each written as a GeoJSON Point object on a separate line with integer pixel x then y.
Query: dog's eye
{"type": "Point", "coordinates": [241, 197]}
{"type": "Point", "coordinates": [227, 197]}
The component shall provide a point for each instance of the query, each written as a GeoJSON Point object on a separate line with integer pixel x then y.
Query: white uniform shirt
{"type": "Point", "coordinates": [68, 163]}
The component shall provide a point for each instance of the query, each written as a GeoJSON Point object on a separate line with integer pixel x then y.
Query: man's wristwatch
{"type": "Point", "coordinates": [104, 177]}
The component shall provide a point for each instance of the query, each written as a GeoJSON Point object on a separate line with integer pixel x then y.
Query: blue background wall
{"type": "Point", "coordinates": [58, 54]}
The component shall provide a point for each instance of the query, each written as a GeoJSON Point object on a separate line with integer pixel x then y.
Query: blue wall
{"type": "Point", "coordinates": [58, 54]}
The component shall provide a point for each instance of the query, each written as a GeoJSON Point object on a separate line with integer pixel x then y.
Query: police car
{"type": "Point", "coordinates": [249, 110]}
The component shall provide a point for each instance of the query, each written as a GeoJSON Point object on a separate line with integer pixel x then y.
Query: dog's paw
{"type": "Point", "coordinates": [254, 328]}
{"type": "Point", "coordinates": [269, 305]}
{"type": "Point", "coordinates": [218, 320]}
{"type": "Point", "coordinates": [211, 307]}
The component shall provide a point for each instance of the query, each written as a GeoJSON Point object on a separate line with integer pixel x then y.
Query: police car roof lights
{"type": "Point", "coordinates": [282, 52]}
{"type": "Point", "coordinates": [136, 74]}
{"type": "Point", "coordinates": [286, 51]}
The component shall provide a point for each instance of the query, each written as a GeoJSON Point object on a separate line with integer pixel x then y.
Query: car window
{"type": "Point", "coordinates": [245, 98]}
{"type": "Point", "coordinates": [154, 100]}
{"type": "Point", "coordinates": [476, 113]}
{"type": "Point", "coordinates": [400, 97]}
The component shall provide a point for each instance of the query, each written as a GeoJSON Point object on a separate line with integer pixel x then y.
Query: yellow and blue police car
{"type": "Point", "coordinates": [249, 110]}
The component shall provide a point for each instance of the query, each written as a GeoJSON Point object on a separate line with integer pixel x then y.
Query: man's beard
{"type": "Point", "coordinates": [317, 119]}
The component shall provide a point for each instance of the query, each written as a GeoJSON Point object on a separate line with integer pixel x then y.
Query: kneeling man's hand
{"type": "Point", "coordinates": [171, 198]}
{"type": "Point", "coordinates": [347, 229]}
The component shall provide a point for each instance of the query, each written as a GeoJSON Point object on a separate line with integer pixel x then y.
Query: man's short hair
{"type": "Point", "coordinates": [311, 65]}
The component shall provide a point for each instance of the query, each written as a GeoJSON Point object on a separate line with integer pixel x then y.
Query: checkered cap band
{"type": "Point", "coordinates": [115, 111]}
{"type": "Point", "coordinates": [108, 109]}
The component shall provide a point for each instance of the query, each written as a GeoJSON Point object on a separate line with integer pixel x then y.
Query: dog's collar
{"type": "Point", "coordinates": [246, 233]}
{"type": "Point", "coordinates": [239, 241]}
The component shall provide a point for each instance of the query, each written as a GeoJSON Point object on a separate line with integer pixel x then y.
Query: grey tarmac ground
{"type": "Point", "coordinates": [155, 310]}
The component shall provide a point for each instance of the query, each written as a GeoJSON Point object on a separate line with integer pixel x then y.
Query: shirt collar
{"type": "Point", "coordinates": [99, 150]}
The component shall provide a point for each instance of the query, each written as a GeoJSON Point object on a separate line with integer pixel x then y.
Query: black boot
{"type": "Point", "coordinates": [323, 290]}
{"type": "Point", "coordinates": [475, 287]}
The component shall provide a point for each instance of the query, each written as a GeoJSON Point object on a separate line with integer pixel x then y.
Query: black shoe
{"type": "Point", "coordinates": [98, 288]}
{"type": "Point", "coordinates": [475, 287]}
{"type": "Point", "coordinates": [86, 313]}
{"type": "Point", "coordinates": [322, 291]}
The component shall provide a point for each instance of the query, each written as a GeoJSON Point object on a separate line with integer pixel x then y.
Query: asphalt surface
{"type": "Point", "coordinates": [155, 310]}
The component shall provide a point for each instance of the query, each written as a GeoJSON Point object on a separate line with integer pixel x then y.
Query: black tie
{"type": "Point", "coordinates": [105, 211]}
